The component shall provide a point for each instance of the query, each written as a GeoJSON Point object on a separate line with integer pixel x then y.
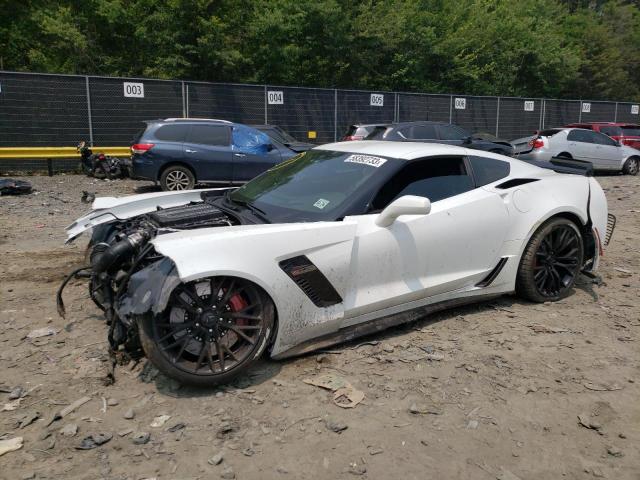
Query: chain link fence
{"type": "Point", "coordinates": [60, 110]}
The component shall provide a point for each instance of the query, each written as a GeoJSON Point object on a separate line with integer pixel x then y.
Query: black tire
{"type": "Point", "coordinates": [631, 166]}
{"type": "Point", "coordinates": [198, 328]}
{"type": "Point", "coordinates": [99, 172]}
{"type": "Point", "coordinates": [551, 261]}
{"type": "Point", "coordinates": [177, 177]}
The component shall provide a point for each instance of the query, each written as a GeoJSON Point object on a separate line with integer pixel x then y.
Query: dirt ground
{"type": "Point", "coordinates": [501, 390]}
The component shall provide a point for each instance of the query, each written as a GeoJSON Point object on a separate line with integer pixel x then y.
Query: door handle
{"type": "Point", "coordinates": [239, 155]}
{"type": "Point", "coordinates": [188, 150]}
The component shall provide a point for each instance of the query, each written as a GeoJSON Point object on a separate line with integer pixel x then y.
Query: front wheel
{"type": "Point", "coordinates": [211, 330]}
{"type": "Point", "coordinates": [177, 178]}
{"type": "Point", "coordinates": [631, 166]}
{"type": "Point", "coordinates": [550, 262]}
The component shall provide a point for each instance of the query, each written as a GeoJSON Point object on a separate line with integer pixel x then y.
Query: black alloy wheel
{"type": "Point", "coordinates": [210, 329]}
{"type": "Point", "coordinates": [551, 262]}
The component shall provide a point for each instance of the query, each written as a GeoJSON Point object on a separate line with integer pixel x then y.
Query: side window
{"type": "Point", "coordinates": [611, 131]}
{"type": "Point", "coordinates": [488, 170]}
{"type": "Point", "coordinates": [209, 135]}
{"type": "Point", "coordinates": [602, 139]}
{"type": "Point", "coordinates": [424, 132]}
{"type": "Point", "coordinates": [579, 136]}
{"type": "Point", "coordinates": [451, 132]}
{"type": "Point", "coordinates": [435, 178]}
{"type": "Point", "coordinates": [250, 140]}
{"type": "Point", "coordinates": [172, 133]}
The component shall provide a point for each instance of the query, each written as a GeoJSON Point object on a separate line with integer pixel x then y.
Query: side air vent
{"type": "Point", "coordinates": [515, 182]}
{"type": "Point", "coordinates": [611, 224]}
{"type": "Point", "coordinates": [311, 281]}
{"type": "Point", "coordinates": [488, 280]}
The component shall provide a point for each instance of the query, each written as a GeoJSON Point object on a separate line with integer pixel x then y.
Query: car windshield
{"type": "Point", "coordinates": [631, 131]}
{"type": "Point", "coordinates": [611, 131]}
{"type": "Point", "coordinates": [279, 135]}
{"type": "Point", "coordinates": [317, 185]}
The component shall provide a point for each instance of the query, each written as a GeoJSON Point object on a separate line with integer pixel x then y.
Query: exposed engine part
{"type": "Point", "coordinates": [189, 216]}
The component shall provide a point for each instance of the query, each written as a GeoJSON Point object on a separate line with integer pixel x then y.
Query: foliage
{"type": "Point", "coordinates": [554, 48]}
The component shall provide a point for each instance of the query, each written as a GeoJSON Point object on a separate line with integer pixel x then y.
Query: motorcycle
{"type": "Point", "coordinates": [99, 165]}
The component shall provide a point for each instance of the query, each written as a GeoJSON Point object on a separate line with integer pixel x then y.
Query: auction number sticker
{"type": "Point", "coordinates": [460, 103]}
{"type": "Point", "coordinates": [529, 105]}
{"type": "Point", "coordinates": [586, 107]}
{"type": "Point", "coordinates": [377, 100]}
{"type": "Point", "coordinates": [135, 90]}
{"type": "Point", "coordinates": [321, 203]}
{"type": "Point", "coordinates": [366, 160]}
{"type": "Point", "coordinates": [275, 97]}
{"type": "Point", "coordinates": [635, 109]}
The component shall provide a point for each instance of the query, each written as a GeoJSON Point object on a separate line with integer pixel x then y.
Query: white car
{"type": "Point", "coordinates": [603, 152]}
{"type": "Point", "coordinates": [340, 241]}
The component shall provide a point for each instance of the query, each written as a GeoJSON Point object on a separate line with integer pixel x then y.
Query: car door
{"type": "Point", "coordinates": [208, 150]}
{"type": "Point", "coordinates": [420, 256]}
{"type": "Point", "coordinates": [579, 144]}
{"type": "Point", "coordinates": [253, 153]}
{"type": "Point", "coordinates": [608, 154]}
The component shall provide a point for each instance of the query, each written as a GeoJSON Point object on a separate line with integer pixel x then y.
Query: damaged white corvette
{"type": "Point", "coordinates": [340, 241]}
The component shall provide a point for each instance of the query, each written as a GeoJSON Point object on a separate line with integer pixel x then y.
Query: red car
{"type": "Point", "coordinates": [625, 133]}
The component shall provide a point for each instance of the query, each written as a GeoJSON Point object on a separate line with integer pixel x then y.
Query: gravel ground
{"type": "Point", "coordinates": [500, 390]}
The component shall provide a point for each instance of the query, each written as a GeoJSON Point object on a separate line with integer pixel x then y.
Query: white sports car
{"type": "Point", "coordinates": [340, 241]}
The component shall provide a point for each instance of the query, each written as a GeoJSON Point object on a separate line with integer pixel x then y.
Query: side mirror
{"type": "Point", "coordinates": [467, 140]}
{"type": "Point", "coordinates": [407, 205]}
{"type": "Point", "coordinates": [270, 146]}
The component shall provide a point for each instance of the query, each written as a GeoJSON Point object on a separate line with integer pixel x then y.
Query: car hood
{"type": "Point", "coordinates": [107, 209]}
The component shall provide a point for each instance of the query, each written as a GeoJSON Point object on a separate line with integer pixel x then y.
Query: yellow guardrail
{"type": "Point", "coordinates": [16, 153]}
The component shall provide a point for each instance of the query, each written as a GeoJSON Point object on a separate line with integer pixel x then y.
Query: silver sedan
{"type": "Point", "coordinates": [601, 151]}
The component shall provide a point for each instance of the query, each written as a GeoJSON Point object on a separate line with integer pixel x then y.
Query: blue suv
{"type": "Point", "coordinates": [180, 152]}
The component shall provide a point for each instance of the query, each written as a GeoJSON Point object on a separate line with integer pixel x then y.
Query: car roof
{"type": "Point", "coordinates": [400, 150]}
{"type": "Point", "coordinates": [609, 124]}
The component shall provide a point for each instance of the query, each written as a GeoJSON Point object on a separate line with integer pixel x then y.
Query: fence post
{"type": "Point", "coordinates": [615, 115]}
{"type": "Point", "coordinates": [497, 116]}
{"type": "Point", "coordinates": [580, 112]}
{"type": "Point", "coordinates": [186, 102]}
{"type": "Point", "coordinates": [86, 83]}
{"type": "Point", "coordinates": [396, 108]}
{"type": "Point", "coordinates": [184, 105]}
{"type": "Point", "coordinates": [335, 114]}
{"type": "Point", "coordinates": [266, 119]}
{"type": "Point", "coordinates": [450, 108]}
{"type": "Point", "coordinates": [543, 105]}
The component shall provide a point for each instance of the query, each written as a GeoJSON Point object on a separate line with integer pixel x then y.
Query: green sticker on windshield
{"type": "Point", "coordinates": [321, 203]}
{"type": "Point", "coordinates": [366, 160]}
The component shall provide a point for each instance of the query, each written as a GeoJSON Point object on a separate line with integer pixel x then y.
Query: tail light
{"type": "Point", "coordinates": [352, 137]}
{"type": "Point", "coordinates": [141, 147]}
{"type": "Point", "coordinates": [536, 143]}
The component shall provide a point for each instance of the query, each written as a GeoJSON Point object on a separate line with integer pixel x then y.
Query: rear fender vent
{"type": "Point", "coordinates": [311, 281]}
{"type": "Point", "coordinates": [488, 280]}
{"type": "Point", "coordinates": [515, 182]}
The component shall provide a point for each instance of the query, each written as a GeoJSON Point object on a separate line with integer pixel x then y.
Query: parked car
{"type": "Point", "coordinates": [278, 135]}
{"type": "Point", "coordinates": [438, 132]}
{"type": "Point", "coordinates": [344, 240]}
{"type": "Point", "coordinates": [625, 133]}
{"type": "Point", "coordinates": [362, 131]}
{"type": "Point", "coordinates": [600, 150]}
{"type": "Point", "coordinates": [181, 152]}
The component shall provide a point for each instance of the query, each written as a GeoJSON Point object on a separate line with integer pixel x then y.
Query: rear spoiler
{"type": "Point", "coordinates": [565, 165]}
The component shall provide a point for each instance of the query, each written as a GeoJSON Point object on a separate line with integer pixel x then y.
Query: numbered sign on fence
{"type": "Point", "coordinates": [586, 107]}
{"type": "Point", "coordinates": [377, 100]}
{"type": "Point", "coordinates": [460, 103]}
{"type": "Point", "coordinates": [275, 97]}
{"type": "Point", "coordinates": [135, 90]}
{"type": "Point", "coordinates": [529, 105]}
{"type": "Point", "coordinates": [635, 109]}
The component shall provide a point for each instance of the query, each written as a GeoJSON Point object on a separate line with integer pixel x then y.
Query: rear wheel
{"type": "Point", "coordinates": [631, 166]}
{"type": "Point", "coordinates": [177, 178]}
{"type": "Point", "coordinates": [550, 262]}
{"type": "Point", "coordinates": [211, 330]}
